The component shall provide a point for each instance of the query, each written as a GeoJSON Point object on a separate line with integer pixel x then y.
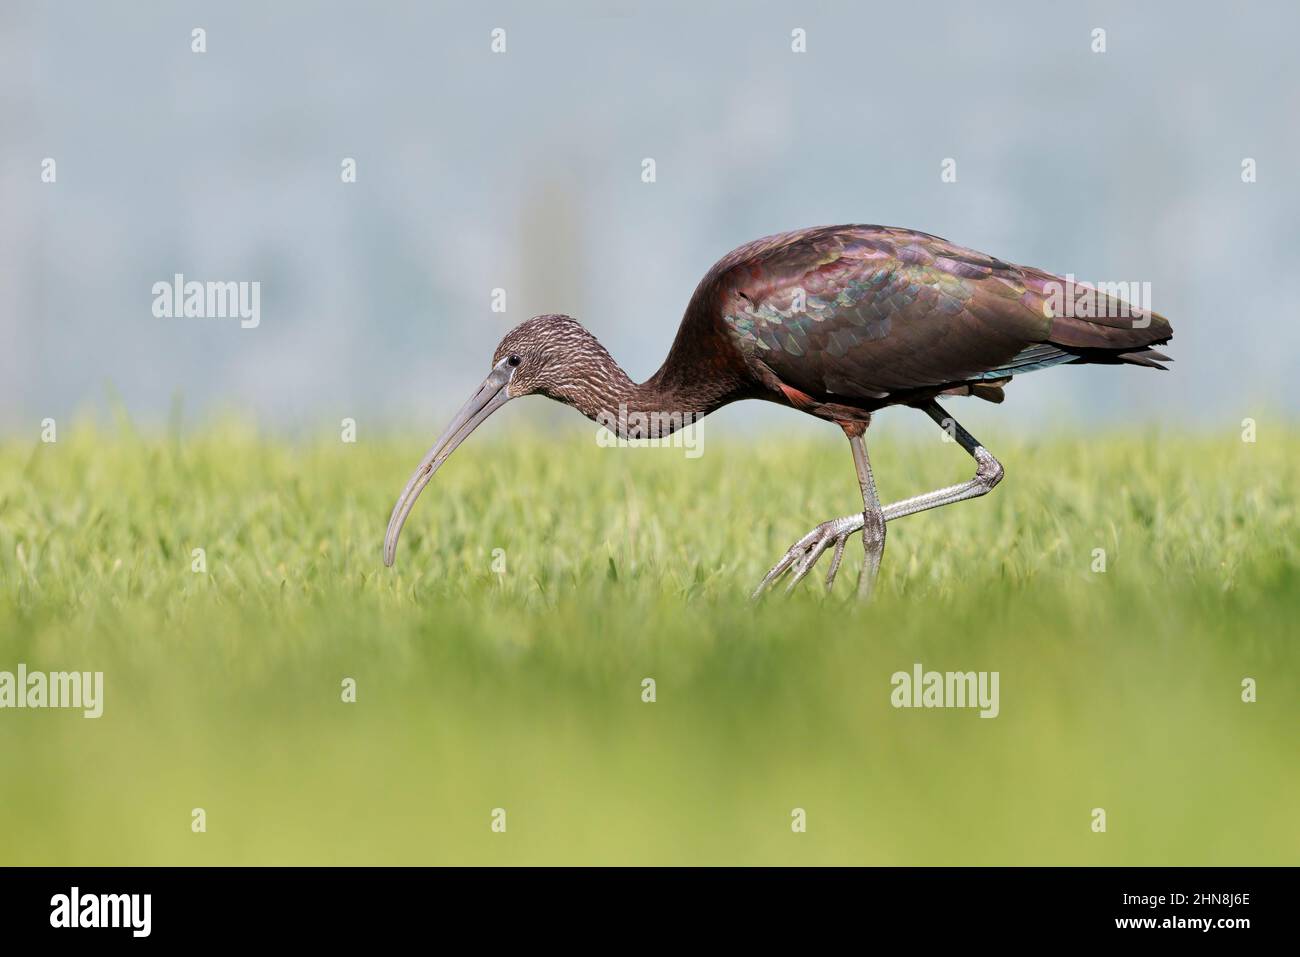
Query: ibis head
{"type": "Point", "coordinates": [546, 355]}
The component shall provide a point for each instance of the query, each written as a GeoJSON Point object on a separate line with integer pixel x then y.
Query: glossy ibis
{"type": "Point", "coordinates": [838, 322]}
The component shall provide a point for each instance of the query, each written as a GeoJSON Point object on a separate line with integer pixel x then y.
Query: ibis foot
{"type": "Point", "coordinates": [805, 553]}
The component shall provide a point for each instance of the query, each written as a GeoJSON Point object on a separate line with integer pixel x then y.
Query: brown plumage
{"type": "Point", "coordinates": [856, 318]}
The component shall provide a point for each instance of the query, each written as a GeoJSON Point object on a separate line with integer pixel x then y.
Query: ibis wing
{"type": "Point", "coordinates": [868, 312]}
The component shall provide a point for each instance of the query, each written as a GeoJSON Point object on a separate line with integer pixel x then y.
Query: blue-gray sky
{"type": "Point", "coordinates": [522, 171]}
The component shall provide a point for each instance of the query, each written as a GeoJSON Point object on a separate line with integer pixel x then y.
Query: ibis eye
{"type": "Point", "coordinates": [513, 361]}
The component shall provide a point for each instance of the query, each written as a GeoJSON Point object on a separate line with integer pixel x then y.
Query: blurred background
{"type": "Point", "coordinates": [522, 171]}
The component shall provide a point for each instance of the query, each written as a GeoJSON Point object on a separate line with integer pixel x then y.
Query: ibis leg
{"type": "Point", "coordinates": [873, 519]}
{"type": "Point", "coordinates": [805, 552]}
{"type": "Point", "coordinates": [988, 470]}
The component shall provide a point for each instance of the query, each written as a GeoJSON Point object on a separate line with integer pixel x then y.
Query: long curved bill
{"type": "Point", "coordinates": [491, 395]}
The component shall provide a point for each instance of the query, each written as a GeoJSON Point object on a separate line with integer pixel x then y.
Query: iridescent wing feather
{"type": "Point", "coordinates": [870, 313]}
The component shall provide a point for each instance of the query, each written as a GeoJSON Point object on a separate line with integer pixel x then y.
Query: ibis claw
{"type": "Point", "coordinates": [806, 552]}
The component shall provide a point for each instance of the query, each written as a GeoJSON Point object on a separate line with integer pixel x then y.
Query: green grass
{"type": "Point", "coordinates": [522, 691]}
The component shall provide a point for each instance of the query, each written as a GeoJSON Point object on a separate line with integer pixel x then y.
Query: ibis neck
{"type": "Point", "coordinates": [667, 401]}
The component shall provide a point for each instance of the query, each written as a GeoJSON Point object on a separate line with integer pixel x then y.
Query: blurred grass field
{"type": "Point", "coordinates": [522, 691]}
